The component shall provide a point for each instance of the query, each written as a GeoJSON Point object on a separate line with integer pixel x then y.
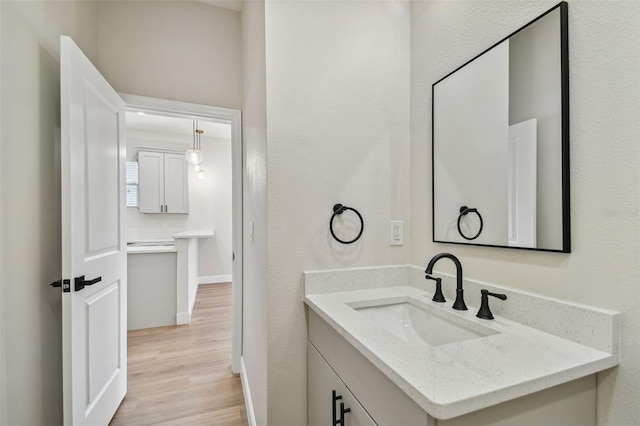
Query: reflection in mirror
{"type": "Point", "coordinates": [501, 143]}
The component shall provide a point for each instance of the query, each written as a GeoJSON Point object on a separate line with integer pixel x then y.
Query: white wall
{"type": "Point", "coordinates": [31, 346]}
{"type": "Point", "coordinates": [337, 114]}
{"type": "Point", "coordinates": [209, 201]}
{"type": "Point", "coordinates": [216, 190]}
{"type": "Point", "coordinates": [178, 50]}
{"type": "Point", "coordinates": [254, 134]}
{"type": "Point", "coordinates": [603, 269]}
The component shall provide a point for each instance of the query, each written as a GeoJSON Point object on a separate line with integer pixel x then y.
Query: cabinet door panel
{"type": "Point", "coordinates": [385, 402]}
{"type": "Point", "coordinates": [176, 191]}
{"type": "Point", "coordinates": [322, 380]}
{"type": "Point", "coordinates": [151, 181]}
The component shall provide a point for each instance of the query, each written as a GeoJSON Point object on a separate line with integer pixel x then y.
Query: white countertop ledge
{"type": "Point", "coordinates": [195, 233]}
{"type": "Point", "coordinates": [458, 378]}
{"type": "Point", "coordinates": [151, 249]}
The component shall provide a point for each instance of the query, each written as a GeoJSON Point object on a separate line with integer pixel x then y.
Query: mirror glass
{"type": "Point", "coordinates": [501, 143]}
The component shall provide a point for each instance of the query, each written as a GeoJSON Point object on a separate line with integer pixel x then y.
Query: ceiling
{"type": "Point", "coordinates": [176, 127]}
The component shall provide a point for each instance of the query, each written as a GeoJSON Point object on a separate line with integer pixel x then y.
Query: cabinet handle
{"type": "Point", "coordinates": [166, 209]}
{"type": "Point", "coordinates": [161, 208]}
{"type": "Point", "coordinates": [334, 398]}
{"type": "Point", "coordinates": [343, 411]}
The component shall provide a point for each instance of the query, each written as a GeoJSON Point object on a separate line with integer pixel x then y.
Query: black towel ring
{"type": "Point", "coordinates": [339, 209]}
{"type": "Point", "coordinates": [464, 210]}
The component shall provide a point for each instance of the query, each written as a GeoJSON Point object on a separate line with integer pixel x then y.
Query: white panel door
{"type": "Point", "coordinates": [522, 188]}
{"type": "Point", "coordinates": [151, 182]}
{"type": "Point", "coordinates": [176, 189]}
{"type": "Point", "coordinates": [93, 242]}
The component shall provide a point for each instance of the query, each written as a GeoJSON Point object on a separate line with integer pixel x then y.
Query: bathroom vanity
{"type": "Point", "coordinates": [534, 364]}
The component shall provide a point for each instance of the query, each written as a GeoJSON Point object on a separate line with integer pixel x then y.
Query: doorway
{"type": "Point", "coordinates": [231, 117]}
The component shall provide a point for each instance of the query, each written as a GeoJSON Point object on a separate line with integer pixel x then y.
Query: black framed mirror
{"type": "Point", "coordinates": [500, 142]}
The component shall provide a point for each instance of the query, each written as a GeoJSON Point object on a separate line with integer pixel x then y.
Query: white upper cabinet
{"type": "Point", "coordinates": [176, 184]}
{"type": "Point", "coordinates": [163, 183]}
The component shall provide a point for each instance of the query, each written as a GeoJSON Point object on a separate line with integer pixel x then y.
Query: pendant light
{"type": "Point", "coordinates": [201, 174]}
{"type": "Point", "coordinates": [194, 154]}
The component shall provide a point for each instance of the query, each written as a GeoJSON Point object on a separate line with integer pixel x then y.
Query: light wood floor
{"type": "Point", "coordinates": [181, 375]}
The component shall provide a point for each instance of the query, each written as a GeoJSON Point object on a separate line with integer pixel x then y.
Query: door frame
{"type": "Point", "coordinates": [233, 117]}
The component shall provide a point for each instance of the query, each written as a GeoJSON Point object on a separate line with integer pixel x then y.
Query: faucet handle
{"type": "Point", "coordinates": [484, 312]}
{"type": "Point", "coordinates": [437, 296]}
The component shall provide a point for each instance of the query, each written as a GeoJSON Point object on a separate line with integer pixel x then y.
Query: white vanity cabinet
{"type": "Point", "coordinates": [329, 398]}
{"type": "Point", "coordinates": [163, 182]}
{"type": "Point", "coordinates": [333, 362]}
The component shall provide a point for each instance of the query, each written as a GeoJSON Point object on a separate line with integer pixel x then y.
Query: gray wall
{"type": "Point", "coordinates": [30, 230]}
{"type": "Point", "coordinates": [177, 50]}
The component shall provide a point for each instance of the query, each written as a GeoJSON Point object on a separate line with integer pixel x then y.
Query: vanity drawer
{"type": "Point", "coordinates": [384, 401]}
{"type": "Point", "coordinates": [323, 409]}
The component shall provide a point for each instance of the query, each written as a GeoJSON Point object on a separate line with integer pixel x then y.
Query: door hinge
{"type": "Point", "coordinates": [65, 284]}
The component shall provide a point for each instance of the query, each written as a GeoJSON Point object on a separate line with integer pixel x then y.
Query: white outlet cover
{"type": "Point", "coordinates": [396, 233]}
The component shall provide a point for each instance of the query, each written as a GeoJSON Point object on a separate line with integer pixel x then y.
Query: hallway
{"type": "Point", "coordinates": [181, 375]}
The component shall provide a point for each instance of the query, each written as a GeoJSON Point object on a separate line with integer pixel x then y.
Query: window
{"type": "Point", "coordinates": [132, 184]}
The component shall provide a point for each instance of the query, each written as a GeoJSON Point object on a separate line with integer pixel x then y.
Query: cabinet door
{"type": "Point", "coordinates": [151, 182]}
{"type": "Point", "coordinates": [322, 381]}
{"type": "Point", "coordinates": [176, 188]}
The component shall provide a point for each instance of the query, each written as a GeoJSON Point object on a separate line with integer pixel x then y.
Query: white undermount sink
{"type": "Point", "coordinates": [417, 326]}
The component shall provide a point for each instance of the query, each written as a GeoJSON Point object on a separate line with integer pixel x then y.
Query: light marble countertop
{"type": "Point", "coordinates": [166, 246]}
{"type": "Point", "coordinates": [457, 378]}
{"type": "Point", "coordinates": [195, 233]}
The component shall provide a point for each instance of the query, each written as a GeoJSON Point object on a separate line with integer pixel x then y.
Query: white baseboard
{"type": "Point", "coordinates": [214, 279]}
{"type": "Point", "coordinates": [183, 318]}
{"type": "Point", "coordinates": [251, 417]}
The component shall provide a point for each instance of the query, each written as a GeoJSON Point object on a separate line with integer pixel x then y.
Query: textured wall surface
{"type": "Point", "coordinates": [254, 133]}
{"type": "Point", "coordinates": [178, 50]}
{"type": "Point", "coordinates": [604, 268]}
{"type": "Point", "coordinates": [30, 231]}
{"type": "Point", "coordinates": [337, 113]}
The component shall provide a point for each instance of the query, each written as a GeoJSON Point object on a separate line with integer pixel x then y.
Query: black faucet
{"type": "Point", "coordinates": [484, 312]}
{"type": "Point", "coordinates": [437, 296]}
{"type": "Point", "coordinates": [459, 303]}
